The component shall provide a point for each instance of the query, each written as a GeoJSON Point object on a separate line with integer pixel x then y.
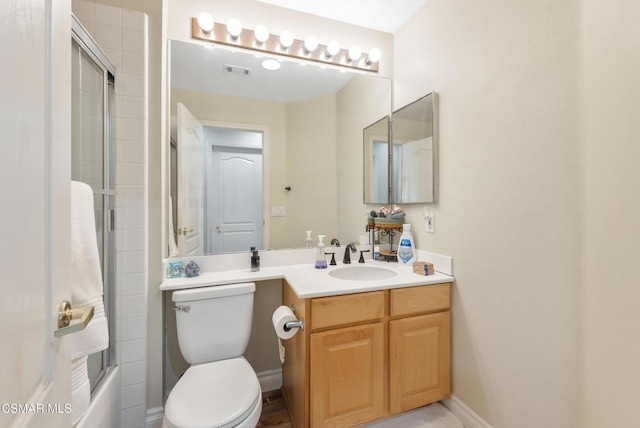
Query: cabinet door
{"type": "Point", "coordinates": [419, 361]}
{"type": "Point", "coordinates": [347, 373]}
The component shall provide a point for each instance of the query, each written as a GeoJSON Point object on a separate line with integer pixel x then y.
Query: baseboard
{"type": "Point", "coordinates": [468, 418]}
{"type": "Point", "coordinates": [270, 380]}
{"type": "Point", "coordinates": [155, 417]}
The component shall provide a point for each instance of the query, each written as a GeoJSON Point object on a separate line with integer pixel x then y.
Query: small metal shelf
{"type": "Point", "coordinates": [384, 229]}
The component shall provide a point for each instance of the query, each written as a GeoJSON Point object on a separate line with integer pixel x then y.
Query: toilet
{"type": "Point", "coordinates": [220, 388]}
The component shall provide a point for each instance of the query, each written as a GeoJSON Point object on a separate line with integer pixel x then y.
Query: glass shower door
{"type": "Point", "coordinates": [92, 162]}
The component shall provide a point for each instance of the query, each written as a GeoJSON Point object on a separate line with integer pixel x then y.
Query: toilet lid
{"type": "Point", "coordinates": [218, 394]}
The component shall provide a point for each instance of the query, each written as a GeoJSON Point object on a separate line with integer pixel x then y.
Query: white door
{"type": "Point", "coordinates": [235, 199]}
{"type": "Point", "coordinates": [35, 156]}
{"type": "Point", "coordinates": [190, 183]}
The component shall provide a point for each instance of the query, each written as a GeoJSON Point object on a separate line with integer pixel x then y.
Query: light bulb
{"type": "Point", "coordinates": [333, 48]}
{"type": "Point", "coordinates": [286, 39]}
{"type": "Point", "coordinates": [374, 56]}
{"type": "Point", "coordinates": [355, 53]}
{"type": "Point", "coordinates": [261, 33]}
{"type": "Point", "coordinates": [310, 43]}
{"type": "Point", "coordinates": [205, 22]}
{"type": "Point", "coordinates": [234, 27]}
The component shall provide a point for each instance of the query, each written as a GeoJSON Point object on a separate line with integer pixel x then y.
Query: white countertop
{"type": "Point", "coordinates": [308, 282]}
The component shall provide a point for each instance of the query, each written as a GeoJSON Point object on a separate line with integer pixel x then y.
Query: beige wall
{"type": "Point", "coordinates": [610, 95]}
{"type": "Point", "coordinates": [510, 202]}
{"type": "Point", "coordinates": [311, 169]}
{"type": "Point", "coordinates": [539, 201]}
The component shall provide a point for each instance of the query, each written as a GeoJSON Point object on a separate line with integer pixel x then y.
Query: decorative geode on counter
{"type": "Point", "coordinates": [192, 270]}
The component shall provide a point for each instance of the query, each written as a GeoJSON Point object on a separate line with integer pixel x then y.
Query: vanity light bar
{"type": "Point", "coordinates": [247, 40]}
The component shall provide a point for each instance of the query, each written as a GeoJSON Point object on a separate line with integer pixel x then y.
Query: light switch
{"type": "Point", "coordinates": [277, 212]}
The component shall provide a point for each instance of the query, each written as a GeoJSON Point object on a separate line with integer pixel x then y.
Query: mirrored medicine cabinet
{"type": "Point", "coordinates": [405, 171]}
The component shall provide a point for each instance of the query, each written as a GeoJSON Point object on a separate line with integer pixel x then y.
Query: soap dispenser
{"type": "Point", "coordinates": [255, 260]}
{"type": "Point", "coordinates": [321, 261]}
{"type": "Point", "coordinates": [308, 240]}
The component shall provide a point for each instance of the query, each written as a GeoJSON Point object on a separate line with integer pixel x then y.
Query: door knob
{"type": "Point", "coordinates": [184, 231]}
{"type": "Point", "coordinates": [66, 314]}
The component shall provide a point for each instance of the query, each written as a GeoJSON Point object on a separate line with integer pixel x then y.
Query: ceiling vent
{"type": "Point", "coordinates": [237, 70]}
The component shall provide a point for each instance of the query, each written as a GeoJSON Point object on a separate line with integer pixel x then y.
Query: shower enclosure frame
{"type": "Point", "coordinates": [107, 193]}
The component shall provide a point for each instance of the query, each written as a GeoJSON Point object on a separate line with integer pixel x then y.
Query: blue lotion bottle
{"type": "Point", "coordinates": [321, 261]}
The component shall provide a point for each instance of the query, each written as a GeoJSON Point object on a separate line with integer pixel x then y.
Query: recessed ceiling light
{"type": "Point", "coordinates": [270, 64]}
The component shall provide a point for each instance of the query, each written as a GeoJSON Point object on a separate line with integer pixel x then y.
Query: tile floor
{"type": "Point", "coordinates": [274, 414]}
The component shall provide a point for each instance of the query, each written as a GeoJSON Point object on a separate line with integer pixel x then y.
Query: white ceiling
{"type": "Point", "coordinates": [382, 15]}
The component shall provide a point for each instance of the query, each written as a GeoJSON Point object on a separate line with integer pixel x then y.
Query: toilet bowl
{"type": "Point", "coordinates": [220, 388]}
{"type": "Point", "coordinates": [220, 394]}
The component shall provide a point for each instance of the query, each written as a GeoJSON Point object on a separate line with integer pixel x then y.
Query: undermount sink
{"type": "Point", "coordinates": [362, 273]}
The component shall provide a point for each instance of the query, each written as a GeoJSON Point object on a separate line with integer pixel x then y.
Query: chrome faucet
{"type": "Point", "coordinates": [347, 257]}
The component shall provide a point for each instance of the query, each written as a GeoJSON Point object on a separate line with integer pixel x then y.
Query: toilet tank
{"type": "Point", "coordinates": [214, 323]}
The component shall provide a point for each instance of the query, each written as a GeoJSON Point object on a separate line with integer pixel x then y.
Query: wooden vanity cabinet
{"type": "Point", "coordinates": [347, 375]}
{"type": "Point", "coordinates": [419, 346]}
{"type": "Point", "coordinates": [366, 356]}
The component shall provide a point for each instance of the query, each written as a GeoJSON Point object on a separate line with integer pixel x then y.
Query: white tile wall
{"type": "Point", "coordinates": [122, 35]}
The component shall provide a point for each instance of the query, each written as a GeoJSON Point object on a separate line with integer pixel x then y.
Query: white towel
{"type": "Point", "coordinates": [80, 389]}
{"type": "Point", "coordinates": [86, 276]}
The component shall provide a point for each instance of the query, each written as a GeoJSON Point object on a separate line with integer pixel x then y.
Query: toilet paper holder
{"type": "Point", "coordinates": [294, 324]}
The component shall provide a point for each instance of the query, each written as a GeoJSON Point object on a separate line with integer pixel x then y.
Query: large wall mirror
{"type": "Point", "coordinates": [255, 153]}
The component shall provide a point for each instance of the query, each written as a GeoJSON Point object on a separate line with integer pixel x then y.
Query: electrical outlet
{"type": "Point", "coordinates": [277, 212]}
{"type": "Point", "coordinates": [429, 222]}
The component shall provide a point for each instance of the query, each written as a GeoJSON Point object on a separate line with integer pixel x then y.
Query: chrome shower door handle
{"type": "Point", "coordinates": [66, 314]}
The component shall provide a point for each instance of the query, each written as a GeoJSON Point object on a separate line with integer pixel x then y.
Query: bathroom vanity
{"type": "Point", "coordinates": [365, 356]}
{"type": "Point", "coordinates": [376, 336]}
